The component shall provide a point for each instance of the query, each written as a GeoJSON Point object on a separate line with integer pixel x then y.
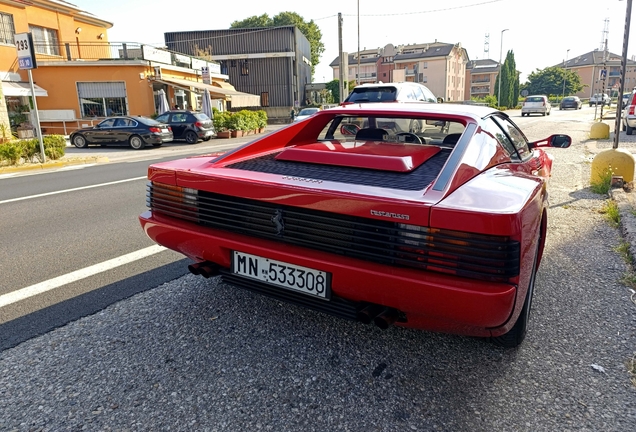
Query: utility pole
{"type": "Point", "coordinates": [565, 72]}
{"type": "Point", "coordinates": [619, 103]}
{"type": "Point", "coordinates": [342, 62]}
{"type": "Point", "coordinates": [358, 74]}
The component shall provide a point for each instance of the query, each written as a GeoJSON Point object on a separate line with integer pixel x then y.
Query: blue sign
{"type": "Point", "coordinates": [25, 63]}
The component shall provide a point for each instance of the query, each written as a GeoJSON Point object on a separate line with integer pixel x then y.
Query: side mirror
{"type": "Point", "coordinates": [557, 141]}
{"type": "Point", "coordinates": [440, 100]}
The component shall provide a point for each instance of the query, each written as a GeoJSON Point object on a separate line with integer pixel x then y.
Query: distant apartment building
{"type": "Point", "coordinates": [81, 77]}
{"type": "Point", "coordinates": [271, 62]}
{"type": "Point", "coordinates": [589, 66]}
{"type": "Point", "coordinates": [439, 66]}
{"type": "Point", "coordinates": [481, 76]}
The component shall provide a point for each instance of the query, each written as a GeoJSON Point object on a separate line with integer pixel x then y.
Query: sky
{"type": "Point", "coordinates": [539, 32]}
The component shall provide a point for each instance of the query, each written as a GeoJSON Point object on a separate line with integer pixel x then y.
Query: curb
{"type": "Point", "coordinates": [625, 202]}
{"type": "Point", "coordinates": [53, 164]}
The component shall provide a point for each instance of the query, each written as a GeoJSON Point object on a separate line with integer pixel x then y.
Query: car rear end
{"type": "Point", "coordinates": [203, 126]}
{"type": "Point", "coordinates": [350, 232]}
{"type": "Point", "coordinates": [629, 115]}
{"type": "Point", "coordinates": [535, 105]}
{"type": "Point", "coordinates": [156, 133]}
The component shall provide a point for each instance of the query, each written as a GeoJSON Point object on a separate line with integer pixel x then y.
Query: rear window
{"type": "Point", "coordinates": [374, 94]}
{"type": "Point", "coordinates": [201, 116]}
{"type": "Point", "coordinates": [147, 121]}
{"type": "Point", "coordinates": [534, 99]}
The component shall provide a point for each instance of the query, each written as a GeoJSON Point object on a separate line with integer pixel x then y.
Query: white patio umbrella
{"type": "Point", "coordinates": [163, 102]}
{"type": "Point", "coordinates": [206, 103]}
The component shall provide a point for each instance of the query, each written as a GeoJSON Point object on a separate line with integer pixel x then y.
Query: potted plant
{"type": "Point", "coordinates": [262, 120]}
{"type": "Point", "coordinates": [221, 119]}
{"type": "Point", "coordinates": [236, 125]}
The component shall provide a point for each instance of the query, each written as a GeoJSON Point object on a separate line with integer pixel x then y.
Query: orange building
{"type": "Point", "coordinates": [81, 77]}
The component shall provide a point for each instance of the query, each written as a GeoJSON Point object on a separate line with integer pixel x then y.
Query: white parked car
{"type": "Point", "coordinates": [306, 112]}
{"type": "Point", "coordinates": [602, 99]}
{"type": "Point", "coordinates": [537, 104]}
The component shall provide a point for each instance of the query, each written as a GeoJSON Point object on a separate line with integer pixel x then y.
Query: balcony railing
{"type": "Point", "coordinates": [480, 90]}
{"type": "Point", "coordinates": [481, 80]}
{"type": "Point", "coordinates": [112, 51]}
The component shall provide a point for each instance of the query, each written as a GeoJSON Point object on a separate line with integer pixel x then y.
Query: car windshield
{"type": "Point", "coordinates": [570, 99]}
{"type": "Point", "coordinates": [394, 130]}
{"type": "Point", "coordinates": [308, 111]}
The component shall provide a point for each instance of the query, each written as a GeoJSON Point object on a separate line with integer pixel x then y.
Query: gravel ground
{"type": "Point", "coordinates": [194, 354]}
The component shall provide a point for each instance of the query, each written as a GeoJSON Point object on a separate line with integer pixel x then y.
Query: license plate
{"type": "Point", "coordinates": [290, 276]}
{"type": "Point", "coordinates": [164, 130]}
{"type": "Point", "coordinates": [208, 133]}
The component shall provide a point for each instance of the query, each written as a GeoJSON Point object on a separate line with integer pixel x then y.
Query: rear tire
{"type": "Point", "coordinates": [191, 137]}
{"type": "Point", "coordinates": [517, 333]}
{"type": "Point", "coordinates": [136, 142]}
{"type": "Point", "coordinates": [79, 141]}
{"type": "Point", "coordinates": [629, 130]}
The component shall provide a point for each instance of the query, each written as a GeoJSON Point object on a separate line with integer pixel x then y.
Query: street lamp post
{"type": "Point", "coordinates": [565, 69]}
{"type": "Point", "coordinates": [500, 67]}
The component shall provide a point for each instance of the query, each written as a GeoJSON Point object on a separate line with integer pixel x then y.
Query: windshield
{"type": "Point", "coordinates": [308, 111]}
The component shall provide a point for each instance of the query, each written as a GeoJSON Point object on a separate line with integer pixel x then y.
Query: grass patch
{"type": "Point", "coordinates": [603, 184]}
{"type": "Point", "coordinates": [629, 279]}
{"type": "Point", "coordinates": [623, 250]}
{"type": "Point", "coordinates": [612, 215]}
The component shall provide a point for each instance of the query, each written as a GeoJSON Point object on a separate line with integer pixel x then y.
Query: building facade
{"type": "Point", "coordinates": [439, 66]}
{"type": "Point", "coordinates": [81, 77]}
{"type": "Point", "coordinates": [273, 63]}
{"type": "Point", "coordinates": [589, 66]}
{"type": "Point", "coordinates": [481, 76]}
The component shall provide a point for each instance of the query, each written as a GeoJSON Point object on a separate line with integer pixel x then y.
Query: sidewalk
{"type": "Point", "coordinates": [98, 154]}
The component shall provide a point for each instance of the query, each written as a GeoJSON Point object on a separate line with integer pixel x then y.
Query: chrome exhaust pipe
{"type": "Point", "coordinates": [386, 318]}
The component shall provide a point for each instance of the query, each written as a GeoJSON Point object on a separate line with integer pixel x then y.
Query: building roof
{"type": "Point", "coordinates": [482, 66]}
{"type": "Point", "coordinates": [595, 57]}
{"type": "Point", "coordinates": [405, 52]}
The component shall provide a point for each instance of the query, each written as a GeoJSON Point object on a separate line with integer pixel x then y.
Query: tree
{"type": "Point", "coordinates": [549, 81]}
{"type": "Point", "coordinates": [509, 82]}
{"type": "Point", "coordinates": [309, 29]}
{"type": "Point", "coordinates": [334, 87]}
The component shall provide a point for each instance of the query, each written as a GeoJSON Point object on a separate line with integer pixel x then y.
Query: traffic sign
{"type": "Point", "coordinates": [26, 53]}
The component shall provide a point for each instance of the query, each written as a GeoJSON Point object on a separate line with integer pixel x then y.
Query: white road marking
{"type": "Point", "coordinates": [71, 190]}
{"type": "Point", "coordinates": [59, 281]}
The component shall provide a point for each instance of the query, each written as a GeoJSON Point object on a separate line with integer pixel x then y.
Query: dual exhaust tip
{"type": "Point", "coordinates": [382, 316]}
{"type": "Point", "coordinates": [205, 269]}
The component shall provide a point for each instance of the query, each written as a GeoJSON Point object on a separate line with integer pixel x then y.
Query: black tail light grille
{"type": "Point", "coordinates": [493, 258]}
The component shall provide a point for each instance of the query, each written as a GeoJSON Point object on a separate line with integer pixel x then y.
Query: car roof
{"type": "Point", "coordinates": [406, 108]}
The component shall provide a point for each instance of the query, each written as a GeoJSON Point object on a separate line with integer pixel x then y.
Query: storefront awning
{"type": "Point", "coordinates": [13, 88]}
{"type": "Point", "coordinates": [238, 99]}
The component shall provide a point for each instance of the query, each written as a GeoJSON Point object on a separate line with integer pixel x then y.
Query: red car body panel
{"type": "Point", "coordinates": [479, 190]}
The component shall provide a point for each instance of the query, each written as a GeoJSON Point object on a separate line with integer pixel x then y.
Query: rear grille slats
{"type": "Point", "coordinates": [470, 255]}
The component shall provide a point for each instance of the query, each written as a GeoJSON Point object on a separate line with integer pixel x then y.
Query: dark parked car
{"type": "Point", "coordinates": [188, 125]}
{"type": "Point", "coordinates": [571, 102]}
{"type": "Point", "coordinates": [133, 131]}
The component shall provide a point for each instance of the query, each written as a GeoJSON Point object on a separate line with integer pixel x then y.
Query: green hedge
{"type": "Point", "coordinates": [244, 120]}
{"type": "Point", "coordinates": [28, 151]}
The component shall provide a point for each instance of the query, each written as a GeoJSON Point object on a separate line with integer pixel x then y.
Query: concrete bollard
{"type": "Point", "coordinates": [620, 162]}
{"type": "Point", "coordinates": [599, 130]}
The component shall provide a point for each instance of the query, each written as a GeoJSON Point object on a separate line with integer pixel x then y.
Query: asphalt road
{"type": "Point", "coordinates": [193, 354]}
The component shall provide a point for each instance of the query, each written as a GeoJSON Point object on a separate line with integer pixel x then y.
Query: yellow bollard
{"type": "Point", "coordinates": [620, 162]}
{"type": "Point", "coordinates": [599, 130]}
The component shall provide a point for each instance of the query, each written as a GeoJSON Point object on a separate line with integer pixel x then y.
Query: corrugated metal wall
{"type": "Point", "coordinates": [283, 78]}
